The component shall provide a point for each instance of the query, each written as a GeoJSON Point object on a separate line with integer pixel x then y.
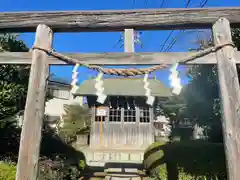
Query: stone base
{"type": "Point", "coordinates": [101, 157]}
{"type": "Point", "coordinates": [82, 140]}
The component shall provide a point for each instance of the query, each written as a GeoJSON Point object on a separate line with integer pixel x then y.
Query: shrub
{"type": "Point", "coordinates": [195, 158]}
{"type": "Point", "coordinates": [67, 173]}
{"type": "Point", "coordinates": [60, 169]}
{"type": "Point", "coordinates": [153, 159]}
{"type": "Point", "coordinates": [7, 171]}
{"type": "Point", "coordinates": [82, 164]}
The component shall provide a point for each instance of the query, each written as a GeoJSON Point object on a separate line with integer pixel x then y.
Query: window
{"type": "Point", "coordinates": [115, 115]}
{"type": "Point", "coordinates": [130, 115]}
{"type": "Point", "coordinates": [63, 94]}
{"type": "Point", "coordinates": [158, 125]}
{"type": "Point", "coordinates": [98, 118]}
{"type": "Point", "coordinates": [144, 115]}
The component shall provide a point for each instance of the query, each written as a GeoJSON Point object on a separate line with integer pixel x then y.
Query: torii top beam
{"type": "Point", "coordinates": [148, 19]}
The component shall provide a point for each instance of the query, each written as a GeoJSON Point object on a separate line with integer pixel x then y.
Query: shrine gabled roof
{"type": "Point", "coordinates": [124, 87]}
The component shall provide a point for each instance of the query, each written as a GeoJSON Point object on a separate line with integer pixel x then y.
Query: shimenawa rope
{"type": "Point", "coordinates": [130, 71]}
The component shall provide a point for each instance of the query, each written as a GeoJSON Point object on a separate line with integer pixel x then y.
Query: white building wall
{"type": "Point", "coordinates": [166, 128]}
{"type": "Point", "coordinates": [54, 107]}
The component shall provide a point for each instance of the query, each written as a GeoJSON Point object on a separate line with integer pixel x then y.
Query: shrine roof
{"type": "Point", "coordinates": [124, 87]}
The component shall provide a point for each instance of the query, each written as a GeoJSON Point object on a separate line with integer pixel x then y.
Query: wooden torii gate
{"type": "Point", "coordinates": [223, 55]}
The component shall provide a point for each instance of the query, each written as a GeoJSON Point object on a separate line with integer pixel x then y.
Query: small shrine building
{"type": "Point", "coordinates": [125, 120]}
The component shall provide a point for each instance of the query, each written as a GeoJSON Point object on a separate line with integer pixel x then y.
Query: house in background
{"type": "Point", "coordinates": [60, 90]}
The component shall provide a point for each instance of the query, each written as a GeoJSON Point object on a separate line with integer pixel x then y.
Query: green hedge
{"type": "Point", "coordinates": [7, 171]}
{"type": "Point", "coordinates": [198, 158]}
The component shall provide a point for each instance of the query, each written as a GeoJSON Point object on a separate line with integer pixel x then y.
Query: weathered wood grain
{"type": "Point", "coordinates": [116, 59]}
{"type": "Point", "coordinates": [129, 45]}
{"type": "Point", "coordinates": [230, 97]}
{"type": "Point", "coordinates": [122, 135]}
{"type": "Point", "coordinates": [75, 21]}
{"type": "Point", "coordinates": [27, 167]}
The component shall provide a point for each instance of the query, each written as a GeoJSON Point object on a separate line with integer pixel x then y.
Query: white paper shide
{"type": "Point", "coordinates": [100, 89]}
{"type": "Point", "coordinates": [150, 98]}
{"type": "Point", "coordinates": [175, 81]}
{"type": "Point", "coordinates": [74, 79]}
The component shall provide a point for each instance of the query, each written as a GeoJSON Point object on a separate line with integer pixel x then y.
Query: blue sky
{"type": "Point", "coordinates": [107, 42]}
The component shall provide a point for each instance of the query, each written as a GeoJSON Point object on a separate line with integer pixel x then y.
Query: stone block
{"type": "Point", "coordinates": [112, 156]}
{"type": "Point", "coordinates": [82, 139]}
{"type": "Point", "coordinates": [98, 156]}
{"type": "Point", "coordinates": [124, 156]}
{"type": "Point", "coordinates": [131, 170]}
{"type": "Point", "coordinates": [89, 156]}
{"type": "Point", "coordinates": [135, 157]}
{"type": "Point", "coordinates": [118, 156]}
{"type": "Point", "coordinates": [106, 156]}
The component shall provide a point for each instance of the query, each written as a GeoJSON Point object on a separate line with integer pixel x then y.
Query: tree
{"type": "Point", "coordinates": [199, 101]}
{"type": "Point", "coordinates": [75, 120]}
{"type": "Point", "coordinates": [13, 79]}
{"type": "Point", "coordinates": [202, 93]}
{"type": "Point", "coordinates": [13, 91]}
{"type": "Point", "coordinates": [174, 109]}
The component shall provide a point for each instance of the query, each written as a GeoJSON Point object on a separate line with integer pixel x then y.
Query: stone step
{"type": "Point", "coordinates": [119, 170]}
{"type": "Point", "coordinates": [104, 163]}
{"type": "Point", "coordinates": [96, 163]}
{"type": "Point", "coordinates": [123, 177]}
{"type": "Point", "coordinates": [131, 174]}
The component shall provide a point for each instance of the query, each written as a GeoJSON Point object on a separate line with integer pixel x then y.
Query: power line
{"type": "Point", "coordinates": [120, 40]}
{"type": "Point", "coordinates": [174, 40]}
{"type": "Point", "coordinates": [145, 2]}
{"type": "Point", "coordinates": [178, 36]}
{"type": "Point", "coordinates": [188, 2]}
{"type": "Point", "coordinates": [165, 42]}
{"type": "Point", "coordinates": [203, 3]}
{"type": "Point", "coordinates": [163, 2]}
{"type": "Point", "coordinates": [133, 3]}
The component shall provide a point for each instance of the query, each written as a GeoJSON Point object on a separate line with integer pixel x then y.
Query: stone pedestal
{"type": "Point", "coordinates": [99, 158]}
{"type": "Point", "coordinates": [82, 140]}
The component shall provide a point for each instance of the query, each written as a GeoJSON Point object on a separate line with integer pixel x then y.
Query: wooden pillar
{"type": "Point", "coordinates": [152, 131]}
{"type": "Point", "coordinates": [129, 47]}
{"type": "Point", "coordinates": [27, 167]}
{"type": "Point", "coordinates": [129, 40]}
{"type": "Point", "coordinates": [93, 138]}
{"type": "Point", "coordinates": [230, 97]}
